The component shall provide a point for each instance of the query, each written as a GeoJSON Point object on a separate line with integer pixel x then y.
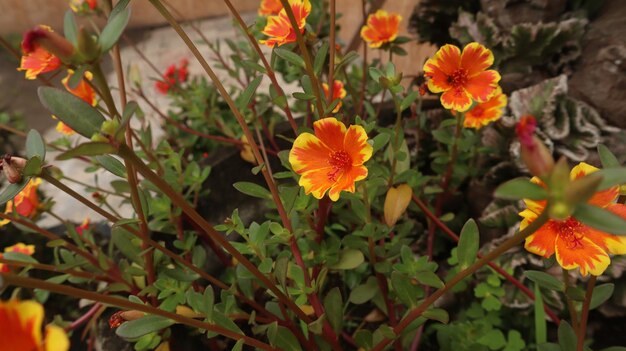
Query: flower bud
{"type": "Point", "coordinates": [88, 46]}
{"type": "Point", "coordinates": [188, 312]}
{"type": "Point", "coordinates": [536, 156]}
{"type": "Point", "coordinates": [396, 202]}
{"type": "Point", "coordinates": [12, 168]}
{"type": "Point", "coordinates": [49, 40]}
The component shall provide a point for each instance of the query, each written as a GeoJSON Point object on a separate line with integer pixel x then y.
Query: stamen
{"type": "Point", "coordinates": [458, 78]}
{"type": "Point", "coordinates": [340, 161]}
{"type": "Point", "coordinates": [572, 231]}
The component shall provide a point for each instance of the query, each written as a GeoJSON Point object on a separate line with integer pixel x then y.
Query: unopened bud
{"type": "Point", "coordinates": [12, 168]}
{"type": "Point", "coordinates": [88, 46]}
{"type": "Point", "coordinates": [131, 315]}
{"type": "Point", "coordinates": [188, 312]}
{"type": "Point", "coordinates": [396, 202]}
{"type": "Point", "coordinates": [536, 156]}
{"type": "Point", "coordinates": [56, 45]}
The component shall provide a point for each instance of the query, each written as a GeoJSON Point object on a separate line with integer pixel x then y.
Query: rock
{"type": "Point", "coordinates": [600, 78]}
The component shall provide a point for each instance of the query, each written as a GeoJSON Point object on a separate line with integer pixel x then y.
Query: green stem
{"type": "Point", "coordinates": [10, 279]}
{"type": "Point", "coordinates": [582, 331]}
{"type": "Point", "coordinates": [308, 63]}
{"type": "Point", "coordinates": [505, 246]}
{"type": "Point", "coordinates": [105, 93]}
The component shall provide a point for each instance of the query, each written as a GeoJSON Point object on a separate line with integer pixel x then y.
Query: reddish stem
{"type": "Point", "coordinates": [84, 318]}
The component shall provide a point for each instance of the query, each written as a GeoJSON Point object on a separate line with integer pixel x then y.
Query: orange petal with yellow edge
{"type": "Point", "coordinates": [331, 132]}
{"type": "Point", "coordinates": [308, 153]}
{"type": "Point", "coordinates": [614, 244]}
{"type": "Point", "coordinates": [583, 253]}
{"type": "Point", "coordinates": [356, 145]}
{"type": "Point", "coordinates": [346, 181]}
{"type": "Point", "coordinates": [542, 241]}
{"type": "Point", "coordinates": [483, 85]}
{"type": "Point", "coordinates": [476, 58]}
{"type": "Point", "coordinates": [456, 99]}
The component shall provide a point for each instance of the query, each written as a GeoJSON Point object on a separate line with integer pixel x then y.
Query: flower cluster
{"type": "Point", "coordinates": [332, 159]}
{"type": "Point", "coordinates": [278, 27]}
{"type": "Point", "coordinates": [463, 78]}
{"type": "Point", "coordinates": [575, 244]}
{"type": "Point", "coordinates": [173, 76]}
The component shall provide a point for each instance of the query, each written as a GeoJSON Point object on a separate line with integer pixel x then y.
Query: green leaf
{"type": "Point", "coordinates": [303, 96]}
{"type": "Point", "coordinates": [468, 244]}
{"type": "Point", "coordinates": [114, 28]}
{"type": "Point", "coordinates": [112, 165]}
{"type": "Point", "coordinates": [119, 7]}
{"type": "Point", "coordinates": [601, 294]}
{"type": "Point", "coordinates": [35, 145]}
{"type": "Point", "coordinates": [545, 280]}
{"type": "Point", "coordinates": [540, 318]}
{"type": "Point", "coordinates": [549, 346]}
{"type": "Point", "coordinates": [349, 259]}
{"type": "Point", "coordinates": [88, 149]}
{"type": "Point", "coordinates": [615, 348]}
{"type": "Point", "coordinates": [600, 219]}
{"type": "Point", "coordinates": [290, 57]}
{"type": "Point", "coordinates": [515, 341]}
{"type": "Point", "coordinates": [11, 190]}
{"type": "Point", "coordinates": [244, 99]}
{"type": "Point", "coordinates": [32, 167]}
{"type": "Point", "coordinates": [404, 289]}
{"type": "Point", "coordinates": [346, 59]}
{"type": "Point", "coordinates": [429, 278]}
{"type": "Point", "coordinates": [364, 292]}
{"type": "Point", "coordinates": [607, 158]}
{"type": "Point", "coordinates": [145, 325]}
{"type": "Point", "coordinates": [380, 141]}
{"type": "Point", "coordinates": [69, 27]}
{"type": "Point", "coordinates": [18, 256]}
{"type": "Point", "coordinates": [408, 100]}
{"type": "Point", "coordinates": [71, 110]}
{"type": "Point", "coordinates": [320, 58]}
{"type": "Point", "coordinates": [493, 339]}
{"type": "Point", "coordinates": [612, 177]}
{"type": "Point", "coordinates": [567, 336]}
{"type": "Point", "coordinates": [333, 305]}
{"type": "Point", "coordinates": [252, 189]}
{"type": "Point", "coordinates": [129, 111]}
{"type": "Point", "coordinates": [437, 314]}
{"type": "Point", "coordinates": [520, 188]}
{"type": "Point", "coordinates": [124, 241]}
{"type": "Point", "coordinates": [282, 338]}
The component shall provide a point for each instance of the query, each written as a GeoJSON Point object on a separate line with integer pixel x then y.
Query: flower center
{"type": "Point", "coordinates": [339, 161]}
{"type": "Point", "coordinates": [458, 78]}
{"type": "Point", "coordinates": [571, 231]}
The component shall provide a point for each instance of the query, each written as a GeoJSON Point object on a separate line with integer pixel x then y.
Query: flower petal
{"type": "Point", "coordinates": [476, 58]}
{"type": "Point", "coordinates": [614, 244]}
{"type": "Point", "coordinates": [331, 132]}
{"type": "Point", "coordinates": [356, 145]}
{"type": "Point", "coordinates": [482, 85]}
{"type": "Point", "coordinates": [542, 241]}
{"type": "Point", "coordinates": [308, 153]}
{"type": "Point", "coordinates": [56, 339]}
{"type": "Point", "coordinates": [447, 59]}
{"type": "Point", "coordinates": [15, 332]}
{"type": "Point", "coordinates": [486, 112]}
{"type": "Point", "coordinates": [584, 254]}
{"type": "Point", "coordinates": [316, 181]}
{"type": "Point", "coordinates": [346, 181]}
{"type": "Point", "coordinates": [601, 198]}
{"type": "Point", "coordinates": [456, 99]}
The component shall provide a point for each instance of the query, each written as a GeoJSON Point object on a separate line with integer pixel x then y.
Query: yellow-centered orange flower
{"type": "Point", "coordinates": [20, 322]}
{"type": "Point", "coordinates": [338, 93]}
{"type": "Point", "coordinates": [381, 28]}
{"type": "Point", "coordinates": [332, 159]}
{"type": "Point", "coordinates": [19, 247]}
{"type": "Point", "coordinates": [26, 203]}
{"type": "Point", "coordinates": [270, 7]}
{"type": "Point", "coordinates": [574, 243]}
{"type": "Point", "coordinates": [278, 27]}
{"type": "Point", "coordinates": [35, 59]}
{"type": "Point", "coordinates": [486, 112]}
{"type": "Point", "coordinates": [462, 76]}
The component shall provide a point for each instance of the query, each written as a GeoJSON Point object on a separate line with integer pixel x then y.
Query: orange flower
{"type": "Point", "coordinates": [381, 28]}
{"type": "Point", "coordinates": [25, 203]}
{"type": "Point", "coordinates": [462, 77]}
{"type": "Point", "coordinates": [19, 247]}
{"type": "Point", "coordinates": [338, 93]}
{"type": "Point", "coordinates": [278, 27]}
{"type": "Point", "coordinates": [83, 226]}
{"type": "Point", "coordinates": [270, 7]}
{"type": "Point", "coordinates": [574, 243]}
{"type": "Point", "coordinates": [83, 5]}
{"type": "Point", "coordinates": [35, 59]}
{"type": "Point", "coordinates": [20, 322]}
{"type": "Point", "coordinates": [332, 159]}
{"type": "Point", "coordinates": [83, 90]}
{"type": "Point", "coordinates": [64, 129]}
{"type": "Point", "coordinates": [486, 112]}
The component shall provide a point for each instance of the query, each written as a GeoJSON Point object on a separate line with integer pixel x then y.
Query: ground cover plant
{"type": "Point", "coordinates": [359, 211]}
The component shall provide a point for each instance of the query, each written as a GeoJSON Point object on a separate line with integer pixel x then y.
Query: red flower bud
{"type": "Point", "coordinates": [536, 156]}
